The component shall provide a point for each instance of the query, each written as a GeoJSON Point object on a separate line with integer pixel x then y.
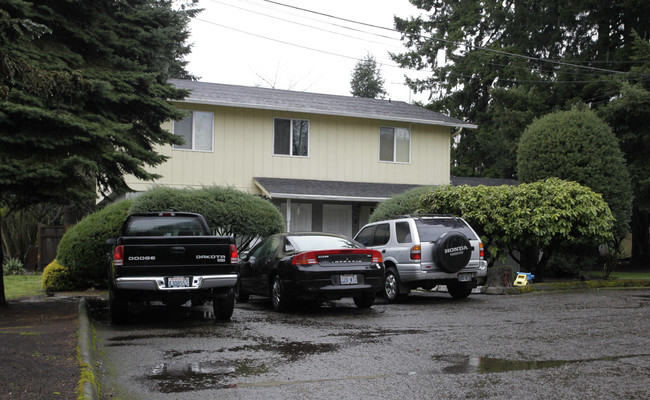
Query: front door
{"type": "Point", "coordinates": [337, 218]}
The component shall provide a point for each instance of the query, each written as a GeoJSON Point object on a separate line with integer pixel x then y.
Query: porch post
{"type": "Point", "coordinates": [288, 215]}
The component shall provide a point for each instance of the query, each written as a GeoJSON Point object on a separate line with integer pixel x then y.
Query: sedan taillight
{"type": "Point", "coordinates": [306, 258]}
{"type": "Point", "coordinates": [118, 256]}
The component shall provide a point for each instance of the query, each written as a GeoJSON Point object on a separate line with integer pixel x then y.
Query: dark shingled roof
{"type": "Point", "coordinates": [314, 103]}
{"type": "Point", "coordinates": [311, 189]}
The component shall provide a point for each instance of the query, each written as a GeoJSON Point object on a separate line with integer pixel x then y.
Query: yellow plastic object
{"type": "Point", "coordinates": [521, 280]}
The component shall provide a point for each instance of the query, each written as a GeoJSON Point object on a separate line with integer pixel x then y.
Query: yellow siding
{"type": "Point", "coordinates": [340, 149]}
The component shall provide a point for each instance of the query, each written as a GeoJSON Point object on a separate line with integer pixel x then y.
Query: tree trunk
{"type": "Point", "coordinates": [640, 238]}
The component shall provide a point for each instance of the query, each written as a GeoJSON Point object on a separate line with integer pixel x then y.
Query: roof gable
{"type": "Point", "coordinates": [314, 103]}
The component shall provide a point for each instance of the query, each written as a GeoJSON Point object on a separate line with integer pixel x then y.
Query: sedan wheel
{"type": "Point", "coordinates": [365, 300]}
{"type": "Point", "coordinates": [279, 296]}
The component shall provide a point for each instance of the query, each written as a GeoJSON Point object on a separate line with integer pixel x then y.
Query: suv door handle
{"type": "Point", "coordinates": [383, 251]}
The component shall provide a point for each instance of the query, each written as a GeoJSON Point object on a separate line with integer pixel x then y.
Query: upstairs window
{"type": "Point", "coordinates": [394, 145]}
{"type": "Point", "coordinates": [197, 130]}
{"type": "Point", "coordinates": [291, 137]}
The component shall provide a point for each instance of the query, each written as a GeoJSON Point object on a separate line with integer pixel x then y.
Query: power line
{"type": "Point", "coordinates": [529, 58]}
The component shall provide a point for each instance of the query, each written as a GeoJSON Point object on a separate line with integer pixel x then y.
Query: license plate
{"type": "Point", "coordinates": [349, 279]}
{"type": "Point", "coordinates": [178, 281]}
{"type": "Point", "coordinates": [464, 277]}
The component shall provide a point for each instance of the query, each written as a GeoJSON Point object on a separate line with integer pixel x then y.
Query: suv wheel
{"type": "Point", "coordinates": [460, 290]}
{"type": "Point", "coordinates": [391, 287]}
{"type": "Point", "coordinates": [453, 251]}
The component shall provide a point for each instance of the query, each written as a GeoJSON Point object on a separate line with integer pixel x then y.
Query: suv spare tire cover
{"type": "Point", "coordinates": [452, 251]}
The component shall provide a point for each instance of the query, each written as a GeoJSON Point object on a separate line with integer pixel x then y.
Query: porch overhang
{"type": "Point", "coordinates": [310, 189]}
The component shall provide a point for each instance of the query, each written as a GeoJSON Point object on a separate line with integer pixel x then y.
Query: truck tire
{"type": "Point", "coordinates": [118, 307]}
{"type": "Point", "coordinates": [452, 251]}
{"type": "Point", "coordinates": [223, 306]}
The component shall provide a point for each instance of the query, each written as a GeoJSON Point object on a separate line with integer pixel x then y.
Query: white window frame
{"type": "Point", "coordinates": [291, 121]}
{"type": "Point", "coordinates": [194, 131]}
{"type": "Point", "coordinates": [393, 161]}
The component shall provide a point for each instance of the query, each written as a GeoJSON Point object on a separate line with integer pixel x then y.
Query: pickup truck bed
{"type": "Point", "coordinates": [171, 257]}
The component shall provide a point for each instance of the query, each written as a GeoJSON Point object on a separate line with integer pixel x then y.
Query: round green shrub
{"type": "Point", "coordinates": [578, 146]}
{"type": "Point", "coordinates": [83, 248]}
{"type": "Point", "coordinates": [400, 204]}
{"type": "Point", "coordinates": [57, 278]}
{"type": "Point", "coordinates": [228, 211]}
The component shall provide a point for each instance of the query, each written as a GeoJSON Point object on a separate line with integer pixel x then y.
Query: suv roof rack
{"type": "Point", "coordinates": [423, 215]}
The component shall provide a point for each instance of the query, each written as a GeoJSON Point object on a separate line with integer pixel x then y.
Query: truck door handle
{"type": "Point", "coordinates": [177, 250]}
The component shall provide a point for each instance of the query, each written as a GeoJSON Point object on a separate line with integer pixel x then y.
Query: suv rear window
{"type": "Point", "coordinates": [431, 229]}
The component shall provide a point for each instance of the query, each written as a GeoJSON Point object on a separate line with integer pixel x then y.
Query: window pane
{"type": "Point", "coordinates": [402, 145]}
{"type": "Point", "coordinates": [184, 128]}
{"type": "Point", "coordinates": [300, 137]}
{"type": "Point", "coordinates": [386, 140]}
{"type": "Point", "coordinates": [203, 131]}
{"type": "Point", "coordinates": [281, 135]}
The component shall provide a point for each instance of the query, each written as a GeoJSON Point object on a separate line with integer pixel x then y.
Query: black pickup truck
{"type": "Point", "coordinates": [171, 257]}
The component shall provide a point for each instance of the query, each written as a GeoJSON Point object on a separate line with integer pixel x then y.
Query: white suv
{"type": "Point", "coordinates": [426, 251]}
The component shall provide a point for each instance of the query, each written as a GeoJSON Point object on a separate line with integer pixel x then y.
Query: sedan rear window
{"type": "Point", "coordinates": [431, 229]}
{"type": "Point", "coordinates": [307, 242]}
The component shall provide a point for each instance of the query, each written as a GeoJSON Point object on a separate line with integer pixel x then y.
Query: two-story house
{"type": "Point", "coordinates": [324, 160]}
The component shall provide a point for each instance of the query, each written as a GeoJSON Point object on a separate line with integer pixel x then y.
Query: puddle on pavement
{"type": "Point", "coordinates": [176, 377]}
{"type": "Point", "coordinates": [487, 365]}
{"type": "Point", "coordinates": [290, 351]}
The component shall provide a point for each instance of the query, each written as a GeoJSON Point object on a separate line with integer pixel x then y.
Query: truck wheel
{"type": "Point", "coordinates": [118, 307]}
{"type": "Point", "coordinates": [279, 296]}
{"type": "Point", "coordinates": [364, 300]}
{"type": "Point", "coordinates": [460, 290]}
{"type": "Point", "coordinates": [224, 306]}
{"type": "Point", "coordinates": [240, 295]}
{"type": "Point", "coordinates": [391, 287]}
{"type": "Point", "coordinates": [453, 251]}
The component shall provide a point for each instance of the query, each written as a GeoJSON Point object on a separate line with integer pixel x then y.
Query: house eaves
{"type": "Point", "coordinates": [314, 103]}
{"type": "Point", "coordinates": [311, 189]}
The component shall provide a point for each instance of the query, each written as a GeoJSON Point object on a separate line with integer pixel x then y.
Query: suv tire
{"type": "Point", "coordinates": [460, 290]}
{"type": "Point", "coordinates": [453, 251]}
{"type": "Point", "coordinates": [391, 286]}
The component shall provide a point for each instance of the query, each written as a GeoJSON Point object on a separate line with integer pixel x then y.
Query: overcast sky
{"type": "Point", "coordinates": [262, 43]}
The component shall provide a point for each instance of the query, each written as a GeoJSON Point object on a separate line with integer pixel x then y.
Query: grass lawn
{"type": "Point", "coordinates": [630, 275]}
{"type": "Point", "coordinates": [18, 286]}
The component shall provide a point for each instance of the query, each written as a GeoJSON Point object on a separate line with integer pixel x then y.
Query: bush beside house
{"type": "Point", "coordinates": [228, 211]}
{"type": "Point", "coordinates": [83, 249]}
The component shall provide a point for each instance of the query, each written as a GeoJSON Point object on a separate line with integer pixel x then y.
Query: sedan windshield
{"type": "Point", "coordinates": [316, 242]}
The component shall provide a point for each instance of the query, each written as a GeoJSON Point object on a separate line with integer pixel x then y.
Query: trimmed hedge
{"type": "Point", "coordinates": [400, 204]}
{"type": "Point", "coordinates": [83, 249]}
{"type": "Point", "coordinates": [227, 210]}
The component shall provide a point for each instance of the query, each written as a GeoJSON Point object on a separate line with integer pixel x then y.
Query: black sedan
{"type": "Point", "coordinates": [312, 266]}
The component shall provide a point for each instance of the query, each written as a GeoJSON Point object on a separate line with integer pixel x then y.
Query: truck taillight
{"type": "Point", "coordinates": [234, 255]}
{"type": "Point", "coordinates": [118, 256]}
{"type": "Point", "coordinates": [416, 252]}
{"type": "Point", "coordinates": [481, 252]}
